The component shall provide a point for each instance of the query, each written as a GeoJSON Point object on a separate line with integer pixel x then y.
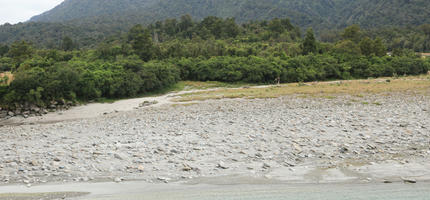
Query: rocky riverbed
{"type": "Point", "coordinates": [292, 139]}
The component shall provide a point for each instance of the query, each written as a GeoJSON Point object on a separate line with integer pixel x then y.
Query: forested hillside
{"type": "Point", "coordinates": [88, 22]}
{"type": "Point", "coordinates": [75, 9]}
{"type": "Point", "coordinates": [316, 13]}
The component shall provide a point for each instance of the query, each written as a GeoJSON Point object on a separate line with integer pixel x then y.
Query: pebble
{"type": "Point", "coordinates": [222, 165]}
{"type": "Point", "coordinates": [387, 181]}
{"type": "Point", "coordinates": [409, 180]}
{"type": "Point", "coordinates": [164, 179]}
{"type": "Point", "coordinates": [117, 180]}
{"type": "Point", "coordinates": [266, 166]}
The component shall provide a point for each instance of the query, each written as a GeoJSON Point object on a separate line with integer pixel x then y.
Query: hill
{"type": "Point", "coordinates": [90, 21]}
{"type": "Point", "coordinates": [76, 9]}
{"type": "Point", "coordinates": [321, 13]}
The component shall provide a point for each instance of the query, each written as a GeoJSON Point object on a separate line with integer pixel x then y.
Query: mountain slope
{"type": "Point", "coordinates": [75, 9]}
{"type": "Point", "coordinates": [319, 13]}
{"type": "Point", "coordinates": [303, 12]}
{"type": "Point", "coordinates": [90, 21]}
{"type": "Point", "coordinates": [374, 13]}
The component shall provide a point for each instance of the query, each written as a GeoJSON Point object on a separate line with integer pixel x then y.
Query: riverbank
{"type": "Point", "coordinates": [373, 138]}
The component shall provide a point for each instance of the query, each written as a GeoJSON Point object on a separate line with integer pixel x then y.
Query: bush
{"type": "Point", "coordinates": [409, 66]}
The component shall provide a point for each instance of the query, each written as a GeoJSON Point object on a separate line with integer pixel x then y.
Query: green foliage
{"type": "Point", "coordinates": [303, 12]}
{"type": "Point", "coordinates": [154, 58]}
{"type": "Point", "coordinates": [20, 50]}
{"type": "Point", "coordinates": [141, 42]}
{"type": "Point", "coordinates": [370, 47]}
{"type": "Point", "coordinates": [90, 22]}
{"type": "Point", "coordinates": [366, 46]}
{"type": "Point", "coordinates": [6, 64]}
{"type": "Point", "coordinates": [67, 44]}
{"type": "Point", "coordinates": [379, 48]}
{"type": "Point", "coordinates": [229, 69]}
{"type": "Point", "coordinates": [3, 50]}
{"type": "Point", "coordinates": [352, 33]}
{"type": "Point", "coordinates": [347, 47]}
{"type": "Point", "coordinates": [81, 79]}
{"type": "Point", "coordinates": [309, 44]}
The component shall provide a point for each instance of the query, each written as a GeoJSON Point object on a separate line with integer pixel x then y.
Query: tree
{"type": "Point", "coordinates": [213, 25]}
{"type": "Point", "coordinates": [366, 46]}
{"type": "Point", "coordinates": [19, 51]}
{"type": "Point", "coordinates": [230, 28]}
{"type": "Point", "coordinates": [287, 24]}
{"type": "Point", "coordinates": [3, 50]}
{"type": "Point", "coordinates": [141, 42]}
{"type": "Point", "coordinates": [347, 47]}
{"type": "Point", "coordinates": [275, 26]}
{"type": "Point", "coordinates": [379, 48]}
{"type": "Point", "coordinates": [352, 33]}
{"type": "Point", "coordinates": [67, 44]}
{"type": "Point", "coordinates": [309, 44]}
{"type": "Point", "coordinates": [185, 26]}
{"type": "Point", "coordinates": [185, 23]}
{"type": "Point", "coordinates": [426, 29]}
{"type": "Point", "coordinates": [171, 26]}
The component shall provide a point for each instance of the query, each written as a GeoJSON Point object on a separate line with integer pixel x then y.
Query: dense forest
{"type": "Point", "coordinates": [88, 22]}
{"type": "Point", "coordinates": [155, 57]}
{"type": "Point", "coordinates": [315, 13]}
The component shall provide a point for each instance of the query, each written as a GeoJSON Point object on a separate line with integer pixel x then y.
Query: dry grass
{"type": "Point", "coordinates": [9, 75]}
{"type": "Point", "coordinates": [199, 85]}
{"type": "Point", "coordinates": [358, 88]}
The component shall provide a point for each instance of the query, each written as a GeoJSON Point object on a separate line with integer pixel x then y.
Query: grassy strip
{"type": "Point", "coordinates": [319, 89]}
{"type": "Point", "coordinates": [198, 85]}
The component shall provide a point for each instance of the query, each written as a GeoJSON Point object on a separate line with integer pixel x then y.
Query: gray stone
{"type": "Point", "coordinates": [119, 156]}
{"type": "Point", "coordinates": [164, 179]}
{"type": "Point", "coordinates": [222, 165]}
{"type": "Point", "coordinates": [409, 180]}
{"type": "Point", "coordinates": [266, 166]}
{"type": "Point", "coordinates": [343, 150]}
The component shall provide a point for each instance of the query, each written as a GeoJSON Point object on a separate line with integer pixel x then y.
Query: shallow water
{"type": "Point", "coordinates": [139, 191]}
{"type": "Point", "coordinates": [280, 192]}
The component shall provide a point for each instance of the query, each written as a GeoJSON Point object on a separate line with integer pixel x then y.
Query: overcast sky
{"type": "Point", "coordinates": [14, 11]}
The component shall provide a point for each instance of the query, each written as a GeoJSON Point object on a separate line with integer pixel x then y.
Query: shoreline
{"type": "Point", "coordinates": [286, 140]}
{"type": "Point", "coordinates": [139, 190]}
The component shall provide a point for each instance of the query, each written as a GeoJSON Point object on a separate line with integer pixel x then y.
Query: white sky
{"type": "Point", "coordinates": [14, 11]}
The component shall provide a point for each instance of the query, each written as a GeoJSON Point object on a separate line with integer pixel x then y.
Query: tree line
{"type": "Point", "coordinates": [155, 57]}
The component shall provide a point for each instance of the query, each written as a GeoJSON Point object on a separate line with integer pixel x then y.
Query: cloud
{"type": "Point", "coordinates": [14, 11]}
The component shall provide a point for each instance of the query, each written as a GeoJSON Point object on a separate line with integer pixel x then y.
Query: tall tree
{"type": "Point", "coordinates": [366, 46]}
{"type": "Point", "coordinates": [19, 51]}
{"type": "Point", "coordinates": [185, 26]}
{"type": "Point", "coordinates": [230, 28]}
{"type": "Point", "coordinates": [185, 23]}
{"type": "Point", "coordinates": [309, 44]}
{"type": "Point", "coordinates": [379, 48]}
{"type": "Point", "coordinates": [67, 44]}
{"type": "Point", "coordinates": [141, 42]}
{"type": "Point", "coordinates": [3, 49]}
{"type": "Point", "coordinates": [352, 33]}
{"type": "Point", "coordinates": [276, 26]}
